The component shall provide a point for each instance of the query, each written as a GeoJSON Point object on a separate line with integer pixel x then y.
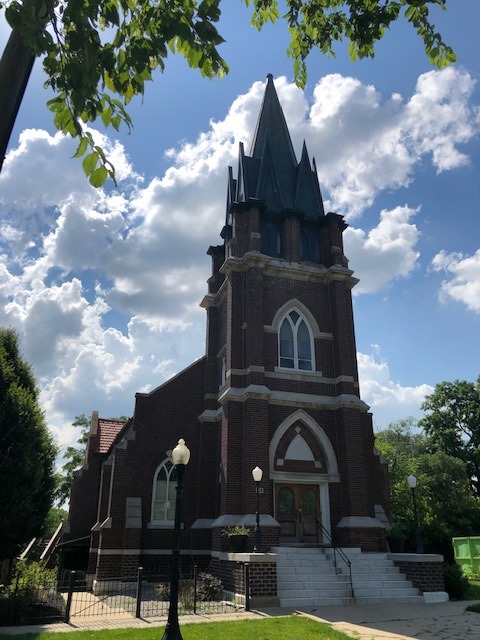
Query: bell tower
{"type": "Point", "coordinates": [282, 376]}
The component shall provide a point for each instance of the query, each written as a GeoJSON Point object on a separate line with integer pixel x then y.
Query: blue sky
{"type": "Point", "coordinates": [104, 286]}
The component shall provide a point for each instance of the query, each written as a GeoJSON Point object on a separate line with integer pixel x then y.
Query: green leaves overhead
{"type": "Point", "coordinates": [98, 54]}
{"type": "Point", "coordinates": [321, 23]}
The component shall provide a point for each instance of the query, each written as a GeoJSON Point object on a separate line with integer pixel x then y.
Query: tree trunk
{"type": "Point", "coordinates": [15, 68]}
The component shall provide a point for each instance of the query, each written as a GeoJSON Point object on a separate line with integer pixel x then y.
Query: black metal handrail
{"type": "Point", "coordinates": [339, 550]}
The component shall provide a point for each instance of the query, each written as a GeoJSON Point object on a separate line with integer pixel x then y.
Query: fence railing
{"type": "Point", "coordinates": [143, 595]}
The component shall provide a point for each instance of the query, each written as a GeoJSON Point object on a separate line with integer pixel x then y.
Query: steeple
{"type": "Point", "coordinates": [271, 125]}
{"type": "Point", "coordinates": [271, 172]}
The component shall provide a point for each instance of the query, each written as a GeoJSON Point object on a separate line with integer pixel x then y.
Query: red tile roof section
{"type": "Point", "coordinates": [107, 432]}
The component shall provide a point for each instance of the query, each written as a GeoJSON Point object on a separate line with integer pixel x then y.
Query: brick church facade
{"type": "Point", "coordinates": [277, 388]}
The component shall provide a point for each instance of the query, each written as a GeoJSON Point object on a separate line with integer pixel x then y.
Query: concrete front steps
{"type": "Point", "coordinates": [307, 577]}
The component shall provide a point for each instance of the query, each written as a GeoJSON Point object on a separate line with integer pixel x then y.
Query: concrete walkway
{"type": "Point", "coordinates": [442, 621]}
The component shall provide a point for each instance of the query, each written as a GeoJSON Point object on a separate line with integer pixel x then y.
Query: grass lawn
{"type": "Point", "coordinates": [284, 628]}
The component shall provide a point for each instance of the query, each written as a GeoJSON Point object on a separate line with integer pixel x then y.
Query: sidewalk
{"type": "Point", "coordinates": [442, 621]}
{"type": "Point", "coordinates": [122, 622]}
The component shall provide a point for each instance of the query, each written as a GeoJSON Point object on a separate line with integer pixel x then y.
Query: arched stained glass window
{"type": "Point", "coordinates": [295, 343]}
{"type": "Point", "coordinates": [163, 503]}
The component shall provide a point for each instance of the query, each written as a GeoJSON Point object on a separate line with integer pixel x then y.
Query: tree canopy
{"type": "Point", "coordinates": [27, 452]}
{"type": "Point", "coordinates": [452, 424]}
{"type": "Point", "coordinates": [442, 451]}
{"type": "Point", "coordinates": [75, 457]}
{"type": "Point", "coordinates": [98, 54]}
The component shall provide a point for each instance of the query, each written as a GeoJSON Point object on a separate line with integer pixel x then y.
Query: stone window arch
{"type": "Point", "coordinates": [295, 342]}
{"type": "Point", "coordinates": [163, 494]}
{"type": "Point", "coordinates": [287, 450]}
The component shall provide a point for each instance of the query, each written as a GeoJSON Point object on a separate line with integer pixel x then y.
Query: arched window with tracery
{"type": "Point", "coordinates": [163, 499]}
{"type": "Point", "coordinates": [295, 343]}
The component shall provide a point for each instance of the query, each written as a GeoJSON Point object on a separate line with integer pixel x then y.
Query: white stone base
{"type": "Point", "coordinates": [435, 596]}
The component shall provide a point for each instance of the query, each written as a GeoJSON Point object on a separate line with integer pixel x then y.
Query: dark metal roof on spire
{"type": "Point", "coordinates": [271, 124]}
{"type": "Point", "coordinates": [271, 172]}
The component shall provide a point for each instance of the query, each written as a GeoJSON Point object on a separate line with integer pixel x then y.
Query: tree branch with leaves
{"type": "Point", "coordinates": [98, 54]}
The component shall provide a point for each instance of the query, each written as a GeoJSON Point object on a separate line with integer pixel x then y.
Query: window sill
{"type": "Point", "coordinates": [296, 373]}
{"type": "Point", "coordinates": [162, 525]}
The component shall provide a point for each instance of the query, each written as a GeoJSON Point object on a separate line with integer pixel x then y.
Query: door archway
{"type": "Point", "coordinates": [302, 465]}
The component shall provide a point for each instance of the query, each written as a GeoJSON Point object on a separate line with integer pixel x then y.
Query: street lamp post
{"type": "Point", "coordinates": [412, 483]}
{"type": "Point", "coordinates": [180, 456]}
{"type": "Point", "coordinates": [257, 474]}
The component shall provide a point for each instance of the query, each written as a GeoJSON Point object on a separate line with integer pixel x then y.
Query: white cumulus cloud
{"type": "Point", "coordinates": [389, 400]}
{"type": "Point", "coordinates": [384, 253]}
{"type": "Point", "coordinates": [463, 281]}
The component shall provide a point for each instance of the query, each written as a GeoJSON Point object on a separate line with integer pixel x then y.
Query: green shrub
{"type": "Point", "coordinates": [456, 582]}
{"type": "Point", "coordinates": [208, 587]}
{"type": "Point", "coordinates": [185, 593]}
{"type": "Point", "coordinates": [31, 580]}
{"type": "Point", "coordinates": [32, 587]}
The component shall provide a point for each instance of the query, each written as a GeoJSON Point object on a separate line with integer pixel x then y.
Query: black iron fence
{"type": "Point", "coordinates": [147, 596]}
{"type": "Point", "coordinates": [72, 596]}
{"type": "Point", "coordinates": [32, 596]}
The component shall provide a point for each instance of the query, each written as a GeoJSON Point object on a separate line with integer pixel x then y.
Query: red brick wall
{"type": "Point", "coordinates": [263, 577]}
{"type": "Point", "coordinates": [425, 576]}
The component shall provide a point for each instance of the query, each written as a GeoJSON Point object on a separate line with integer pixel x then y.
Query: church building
{"type": "Point", "coordinates": [278, 388]}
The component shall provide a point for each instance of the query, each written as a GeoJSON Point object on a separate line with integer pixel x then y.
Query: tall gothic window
{"type": "Point", "coordinates": [270, 239]}
{"type": "Point", "coordinates": [310, 244]}
{"type": "Point", "coordinates": [163, 502]}
{"type": "Point", "coordinates": [295, 343]}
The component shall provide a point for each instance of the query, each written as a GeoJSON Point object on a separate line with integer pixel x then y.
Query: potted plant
{"type": "Point", "coordinates": [237, 537]}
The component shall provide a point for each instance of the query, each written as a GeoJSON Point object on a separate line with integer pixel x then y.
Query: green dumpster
{"type": "Point", "coordinates": [467, 554]}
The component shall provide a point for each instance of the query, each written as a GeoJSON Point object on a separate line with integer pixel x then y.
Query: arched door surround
{"type": "Point", "coordinates": [302, 464]}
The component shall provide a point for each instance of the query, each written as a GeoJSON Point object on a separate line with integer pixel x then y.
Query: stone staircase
{"type": "Point", "coordinates": [307, 577]}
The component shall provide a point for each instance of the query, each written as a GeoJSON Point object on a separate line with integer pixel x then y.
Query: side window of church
{"type": "Point", "coordinates": [310, 245]}
{"type": "Point", "coordinates": [270, 243]}
{"type": "Point", "coordinates": [164, 493]}
{"type": "Point", "coordinates": [295, 343]}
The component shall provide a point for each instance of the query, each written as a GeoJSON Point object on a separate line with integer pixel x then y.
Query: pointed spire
{"type": "Point", "coordinates": [271, 172]}
{"type": "Point", "coordinates": [308, 197]}
{"type": "Point", "coordinates": [271, 121]}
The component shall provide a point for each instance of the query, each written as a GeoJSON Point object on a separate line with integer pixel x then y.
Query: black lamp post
{"type": "Point", "coordinates": [412, 483]}
{"type": "Point", "coordinates": [257, 474]}
{"type": "Point", "coordinates": [180, 456]}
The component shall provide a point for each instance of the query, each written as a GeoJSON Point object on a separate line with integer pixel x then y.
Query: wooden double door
{"type": "Point", "coordinates": [298, 511]}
